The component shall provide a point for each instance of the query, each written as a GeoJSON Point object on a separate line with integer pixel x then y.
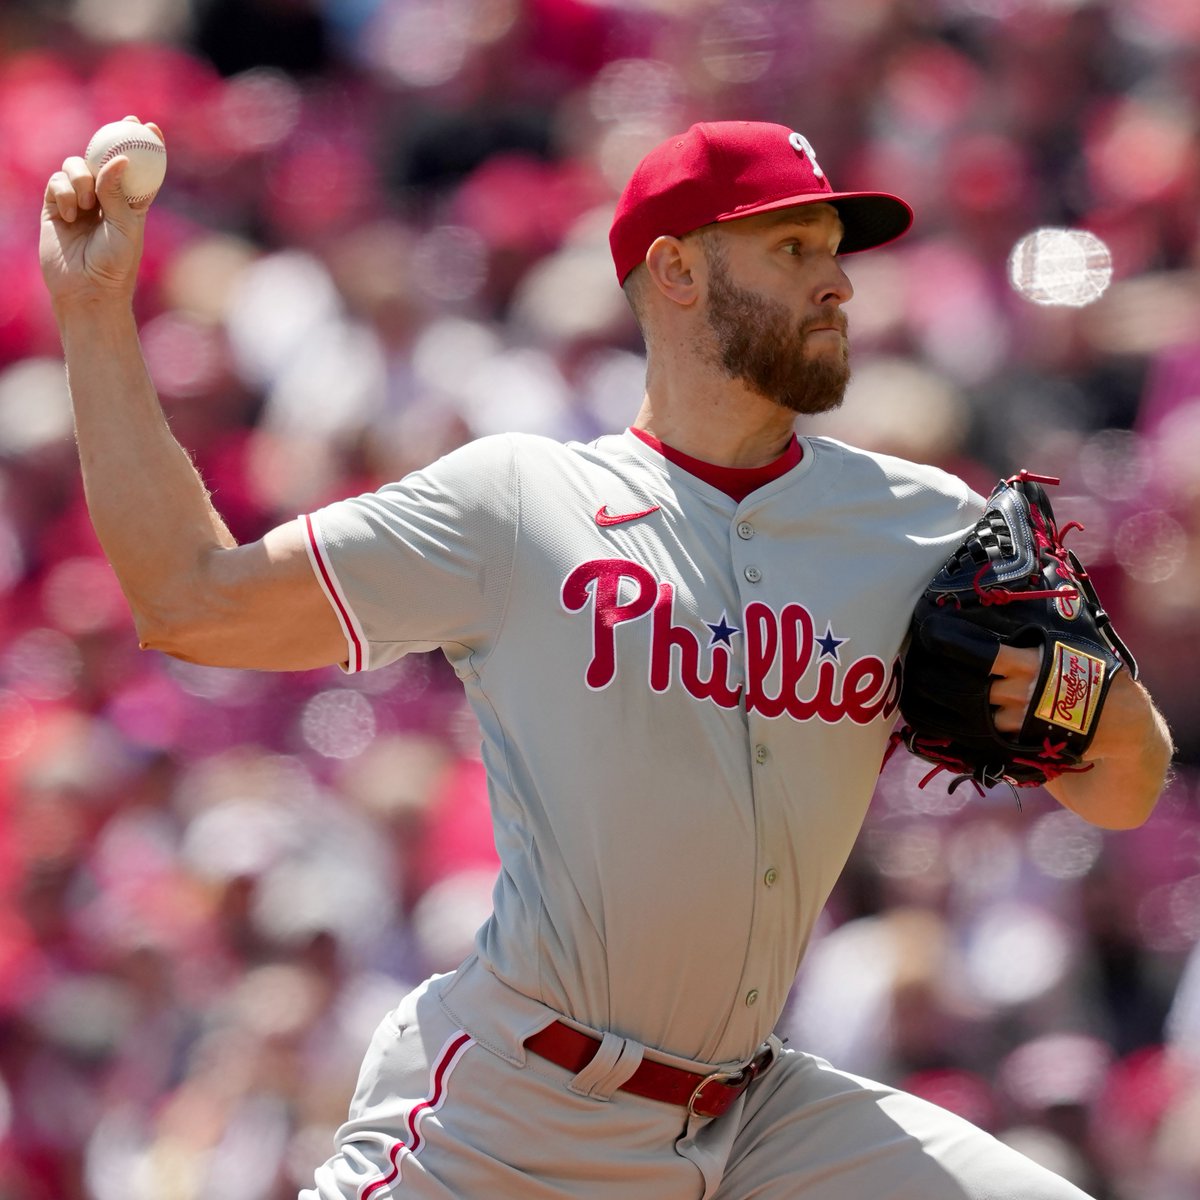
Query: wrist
{"type": "Point", "coordinates": [95, 314]}
{"type": "Point", "coordinates": [93, 304]}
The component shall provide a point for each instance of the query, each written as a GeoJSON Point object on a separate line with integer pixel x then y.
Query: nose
{"type": "Point", "coordinates": [835, 286]}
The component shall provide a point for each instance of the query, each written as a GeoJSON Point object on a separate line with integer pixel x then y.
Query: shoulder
{"type": "Point", "coordinates": [538, 460]}
{"type": "Point", "coordinates": [482, 465]}
{"type": "Point", "coordinates": [529, 450]}
{"type": "Point", "coordinates": [495, 451]}
{"type": "Point", "coordinates": [914, 485]}
{"type": "Point", "coordinates": [511, 476]}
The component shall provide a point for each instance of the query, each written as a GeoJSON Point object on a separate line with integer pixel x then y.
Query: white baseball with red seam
{"type": "Point", "coordinates": [141, 145]}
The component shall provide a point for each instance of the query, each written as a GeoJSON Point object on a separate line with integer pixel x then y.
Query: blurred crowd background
{"type": "Point", "coordinates": [383, 233]}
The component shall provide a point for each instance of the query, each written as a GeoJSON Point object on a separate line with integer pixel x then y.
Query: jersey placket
{"type": "Point", "coordinates": [758, 996]}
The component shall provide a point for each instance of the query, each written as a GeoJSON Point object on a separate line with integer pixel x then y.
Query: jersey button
{"type": "Point", "coordinates": [760, 754]}
{"type": "Point", "coordinates": [751, 997]}
{"type": "Point", "coordinates": [745, 531]}
{"type": "Point", "coordinates": [771, 877]}
{"type": "Point", "coordinates": [753, 574]}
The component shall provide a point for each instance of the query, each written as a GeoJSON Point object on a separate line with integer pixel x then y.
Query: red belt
{"type": "Point", "coordinates": [704, 1095]}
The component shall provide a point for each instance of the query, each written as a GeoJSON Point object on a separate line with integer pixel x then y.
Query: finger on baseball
{"type": "Point", "coordinates": [151, 125]}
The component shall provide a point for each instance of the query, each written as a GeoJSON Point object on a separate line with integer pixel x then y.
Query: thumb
{"type": "Point", "coordinates": [117, 209]}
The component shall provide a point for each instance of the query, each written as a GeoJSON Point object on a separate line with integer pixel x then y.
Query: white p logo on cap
{"type": "Point", "coordinates": [802, 145]}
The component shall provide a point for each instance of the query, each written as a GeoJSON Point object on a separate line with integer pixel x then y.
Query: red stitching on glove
{"type": "Point", "coordinates": [1003, 595]}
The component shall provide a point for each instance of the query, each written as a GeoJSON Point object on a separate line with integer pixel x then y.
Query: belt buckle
{"type": "Point", "coordinates": [715, 1077]}
{"type": "Point", "coordinates": [742, 1078]}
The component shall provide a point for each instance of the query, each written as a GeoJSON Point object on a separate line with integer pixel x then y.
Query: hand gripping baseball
{"type": "Point", "coordinates": [91, 236]}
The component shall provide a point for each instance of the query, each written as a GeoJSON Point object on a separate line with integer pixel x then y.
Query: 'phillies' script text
{"type": "Point", "coordinates": [860, 690]}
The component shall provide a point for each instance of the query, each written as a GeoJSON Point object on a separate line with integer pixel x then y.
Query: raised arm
{"type": "Point", "coordinates": [194, 592]}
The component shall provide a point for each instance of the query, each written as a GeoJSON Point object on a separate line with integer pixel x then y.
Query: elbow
{"type": "Point", "coordinates": [171, 645]}
{"type": "Point", "coordinates": [196, 615]}
{"type": "Point", "coordinates": [176, 630]}
{"type": "Point", "coordinates": [1155, 775]}
{"type": "Point", "coordinates": [1111, 812]}
{"type": "Point", "coordinates": [1139, 798]}
{"type": "Point", "coordinates": [162, 636]}
{"type": "Point", "coordinates": [1114, 795]}
{"type": "Point", "coordinates": [1132, 816]}
{"type": "Point", "coordinates": [1125, 787]}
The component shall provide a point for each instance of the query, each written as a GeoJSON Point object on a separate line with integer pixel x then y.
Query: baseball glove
{"type": "Point", "coordinates": [1010, 582]}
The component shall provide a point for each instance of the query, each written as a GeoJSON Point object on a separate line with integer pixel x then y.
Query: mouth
{"type": "Point", "coordinates": [827, 330]}
{"type": "Point", "coordinates": [827, 322]}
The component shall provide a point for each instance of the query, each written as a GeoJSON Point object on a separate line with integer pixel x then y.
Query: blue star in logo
{"type": "Point", "coordinates": [829, 644]}
{"type": "Point", "coordinates": [722, 632]}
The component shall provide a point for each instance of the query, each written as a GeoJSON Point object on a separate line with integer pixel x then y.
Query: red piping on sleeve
{"type": "Point", "coordinates": [327, 582]}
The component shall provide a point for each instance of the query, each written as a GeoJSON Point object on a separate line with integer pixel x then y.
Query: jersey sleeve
{"type": "Point", "coordinates": [423, 563]}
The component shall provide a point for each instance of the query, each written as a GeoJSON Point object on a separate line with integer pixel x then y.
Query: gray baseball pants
{"type": "Point", "coordinates": [450, 1105]}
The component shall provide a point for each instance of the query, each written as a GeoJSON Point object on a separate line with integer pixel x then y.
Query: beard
{"type": "Point", "coordinates": [759, 343]}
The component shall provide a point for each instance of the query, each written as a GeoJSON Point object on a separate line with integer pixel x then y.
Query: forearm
{"type": "Point", "coordinates": [149, 507]}
{"type": "Point", "coordinates": [1131, 756]}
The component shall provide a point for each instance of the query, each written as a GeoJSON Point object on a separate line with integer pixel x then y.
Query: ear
{"type": "Point", "coordinates": [676, 268]}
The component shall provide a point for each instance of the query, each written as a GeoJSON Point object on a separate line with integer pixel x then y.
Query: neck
{"type": "Point", "coordinates": [718, 421]}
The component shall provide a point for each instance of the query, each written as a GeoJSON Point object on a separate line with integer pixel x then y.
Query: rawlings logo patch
{"type": "Point", "coordinates": [1072, 692]}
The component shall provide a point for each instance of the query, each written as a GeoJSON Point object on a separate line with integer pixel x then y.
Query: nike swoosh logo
{"type": "Point", "coordinates": [604, 517]}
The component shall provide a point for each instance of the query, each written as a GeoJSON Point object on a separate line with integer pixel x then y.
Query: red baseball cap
{"type": "Point", "coordinates": [723, 170]}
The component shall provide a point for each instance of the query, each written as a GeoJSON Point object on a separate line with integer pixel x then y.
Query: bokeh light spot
{"type": "Point", "coordinates": [258, 109]}
{"type": "Point", "coordinates": [81, 595]}
{"type": "Point", "coordinates": [1150, 546]}
{"type": "Point", "coordinates": [184, 356]}
{"type": "Point", "coordinates": [1068, 267]}
{"type": "Point", "coordinates": [43, 664]}
{"type": "Point", "coordinates": [1017, 953]}
{"type": "Point", "coordinates": [634, 91]}
{"type": "Point", "coordinates": [450, 263]}
{"type": "Point", "coordinates": [338, 723]}
{"type": "Point", "coordinates": [420, 43]}
{"type": "Point", "coordinates": [737, 44]}
{"type": "Point", "coordinates": [1113, 464]}
{"type": "Point", "coordinates": [1064, 846]}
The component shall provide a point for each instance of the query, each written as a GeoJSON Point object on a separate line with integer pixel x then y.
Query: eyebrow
{"type": "Point", "coordinates": [798, 216]}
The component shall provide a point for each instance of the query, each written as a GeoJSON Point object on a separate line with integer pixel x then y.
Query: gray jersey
{"type": "Point", "coordinates": [684, 701]}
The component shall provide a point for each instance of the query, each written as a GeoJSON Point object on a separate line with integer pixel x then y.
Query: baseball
{"type": "Point", "coordinates": [144, 149]}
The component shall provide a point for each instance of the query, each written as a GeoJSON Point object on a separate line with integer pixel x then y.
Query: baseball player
{"type": "Point", "coordinates": [681, 643]}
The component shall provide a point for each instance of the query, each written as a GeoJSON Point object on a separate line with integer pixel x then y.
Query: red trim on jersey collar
{"type": "Point", "coordinates": [736, 482]}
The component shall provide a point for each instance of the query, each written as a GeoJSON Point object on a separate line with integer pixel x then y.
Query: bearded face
{"type": "Point", "coordinates": [759, 342]}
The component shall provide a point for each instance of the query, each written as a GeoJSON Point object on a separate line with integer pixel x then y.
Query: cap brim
{"type": "Point", "coordinates": [870, 218]}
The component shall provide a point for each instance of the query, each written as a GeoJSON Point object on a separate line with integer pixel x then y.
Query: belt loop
{"type": "Point", "coordinates": [614, 1062]}
{"type": "Point", "coordinates": [774, 1046]}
